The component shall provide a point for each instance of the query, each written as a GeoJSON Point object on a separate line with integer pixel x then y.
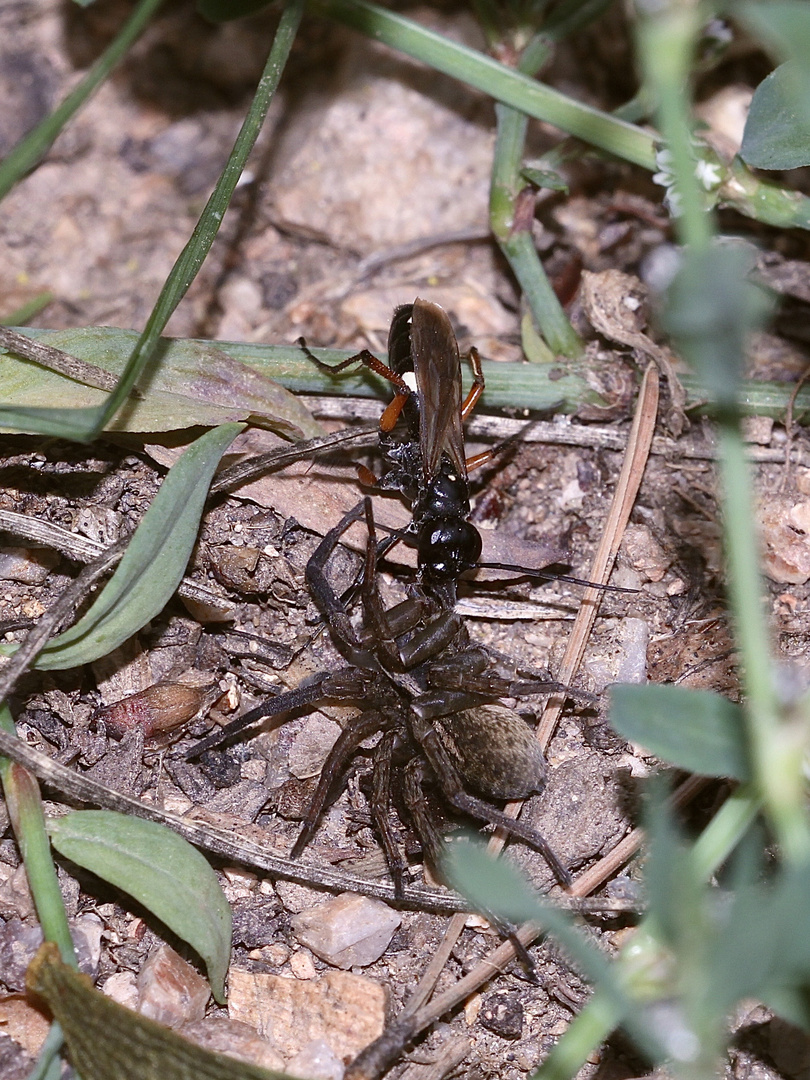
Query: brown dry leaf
{"type": "Point", "coordinates": [615, 304]}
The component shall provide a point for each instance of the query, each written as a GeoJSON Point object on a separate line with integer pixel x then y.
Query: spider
{"type": "Point", "coordinates": [406, 667]}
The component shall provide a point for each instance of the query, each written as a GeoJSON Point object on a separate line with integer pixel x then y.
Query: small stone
{"type": "Point", "coordinates": [301, 965]}
{"type": "Point", "coordinates": [237, 1040]}
{"type": "Point", "coordinates": [123, 988]}
{"type": "Point", "coordinates": [170, 991]}
{"type": "Point", "coordinates": [757, 429]}
{"type": "Point", "coordinates": [345, 1010]}
{"type": "Point", "coordinates": [644, 553]}
{"type": "Point", "coordinates": [30, 566]}
{"type": "Point", "coordinates": [18, 944]}
{"type": "Point", "coordinates": [349, 931]}
{"type": "Point", "coordinates": [502, 1014]}
{"type": "Point", "coordinates": [86, 932]}
{"type": "Point", "coordinates": [784, 525]}
{"type": "Point", "coordinates": [312, 744]}
{"type": "Point", "coordinates": [316, 1061]}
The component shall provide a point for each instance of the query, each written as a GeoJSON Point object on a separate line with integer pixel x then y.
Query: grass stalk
{"type": "Point", "coordinates": [511, 216]}
{"type": "Point", "coordinates": [500, 82]}
{"type": "Point", "coordinates": [33, 146]}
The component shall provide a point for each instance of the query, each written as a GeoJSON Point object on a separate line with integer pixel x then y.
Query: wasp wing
{"type": "Point", "coordinates": [437, 367]}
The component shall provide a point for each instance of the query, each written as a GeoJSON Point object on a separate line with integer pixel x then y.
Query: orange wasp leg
{"type": "Point", "coordinates": [477, 388]}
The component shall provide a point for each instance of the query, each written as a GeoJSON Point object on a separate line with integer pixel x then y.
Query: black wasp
{"type": "Point", "coordinates": [429, 465]}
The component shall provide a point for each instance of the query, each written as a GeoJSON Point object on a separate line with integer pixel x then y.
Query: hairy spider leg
{"type": "Point", "coordinates": [381, 809]}
{"type": "Point", "coordinates": [354, 733]}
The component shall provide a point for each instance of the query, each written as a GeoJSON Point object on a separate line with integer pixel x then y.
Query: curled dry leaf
{"type": "Point", "coordinates": [616, 305]}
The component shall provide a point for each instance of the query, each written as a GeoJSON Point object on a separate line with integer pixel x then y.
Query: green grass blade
{"type": "Point", "coordinates": [500, 82]}
{"type": "Point", "coordinates": [36, 143]}
{"type": "Point", "coordinates": [161, 870]}
{"type": "Point", "coordinates": [154, 562]}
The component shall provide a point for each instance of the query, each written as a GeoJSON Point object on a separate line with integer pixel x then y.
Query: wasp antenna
{"type": "Point", "coordinates": [550, 575]}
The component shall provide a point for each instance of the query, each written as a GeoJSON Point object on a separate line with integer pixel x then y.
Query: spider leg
{"type": "Point", "coordinates": [420, 812]}
{"type": "Point", "coordinates": [381, 807]}
{"type": "Point", "coordinates": [293, 699]}
{"type": "Point", "coordinates": [355, 732]}
{"type": "Point", "coordinates": [330, 604]}
{"type": "Point", "coordinates": [453, 790]}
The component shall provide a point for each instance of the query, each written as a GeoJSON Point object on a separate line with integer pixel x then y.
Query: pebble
{"type": "Point", "coordinates": [644, 553]}
{"type": "Point", "coordinates": [317, 1061]}
{"type": "Point", "coordinates": [785, 537]}
{"type": "Point", "coordinates": [30, 566]}
{"type": "Point", "coordinates": [502, 1014]}
{"type": "Point", "coordinates": [312, 744]}
{"type": "Point", "coordinates": [348, 931]}
{"type": "Point", "coordinates": [122, 987]}
{"type": "Point", "coordinates": [20, 942]}
{"type": "Point", "coordinates": [301, 965]}
{"type": "Point", "coordinates": [345, 1010]}
{"type": "Point", "coordinates": [224, 1036]}
{"type": "Point", "coordinates": [170, 991]}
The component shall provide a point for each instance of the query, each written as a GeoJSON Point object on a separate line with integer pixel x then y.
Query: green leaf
{"type": "Point", "coordinates": [711, 309]}
{"type": "Point", "coordinates": [227, 10]}
{"type": "Point", "coordinates": [544, 178]}
{"type": "Point", "coordinates": [761, 944]}
{"type": "Point", "coordinates": [190, 384]}
{"type": "Point", "coordinates": [153, 564]}
{"type": "Point", "coordinates": [160, 870]}
{"type": "Point", "coordinates": [691, 729]}
{"type": "Point", "coordinates": [777, 131]}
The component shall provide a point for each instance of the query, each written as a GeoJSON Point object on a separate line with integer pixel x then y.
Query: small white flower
{"type": "Point", "coordinates": [709, 174]}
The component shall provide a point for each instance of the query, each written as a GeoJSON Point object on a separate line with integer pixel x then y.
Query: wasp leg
{"type": "Point", "coordinates": [477, 388]}
{"type": "Point", "coordinates": [355, 732]}
{"type": "Point", "coordinates": [365, 357]}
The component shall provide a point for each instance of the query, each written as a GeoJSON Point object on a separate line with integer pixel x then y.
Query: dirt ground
{"type": "Point", "coordinates": [363, 154]}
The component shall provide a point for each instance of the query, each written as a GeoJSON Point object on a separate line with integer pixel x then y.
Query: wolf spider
{"type": "Point", "coordinates": [406, 668]}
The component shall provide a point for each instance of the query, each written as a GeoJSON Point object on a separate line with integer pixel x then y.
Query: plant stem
{"type": "Point", "coordinates": [28, 821]}
{"type": "Point", "coordinates": [724, 831]}
{"type": "Point", "coordinates": [511, 218]}
{"type": "Point", "coordinates": [665, 45]}
{"type": "Point", "coordinates": [36, 143]}
{"type": "Point", "coordinates": [777, 747]}
{"type": "Point", "coordinates": [588, 1029]}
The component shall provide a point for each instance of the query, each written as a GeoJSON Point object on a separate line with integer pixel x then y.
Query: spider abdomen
{"type": "Point", "coordinates": [495, 751]}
